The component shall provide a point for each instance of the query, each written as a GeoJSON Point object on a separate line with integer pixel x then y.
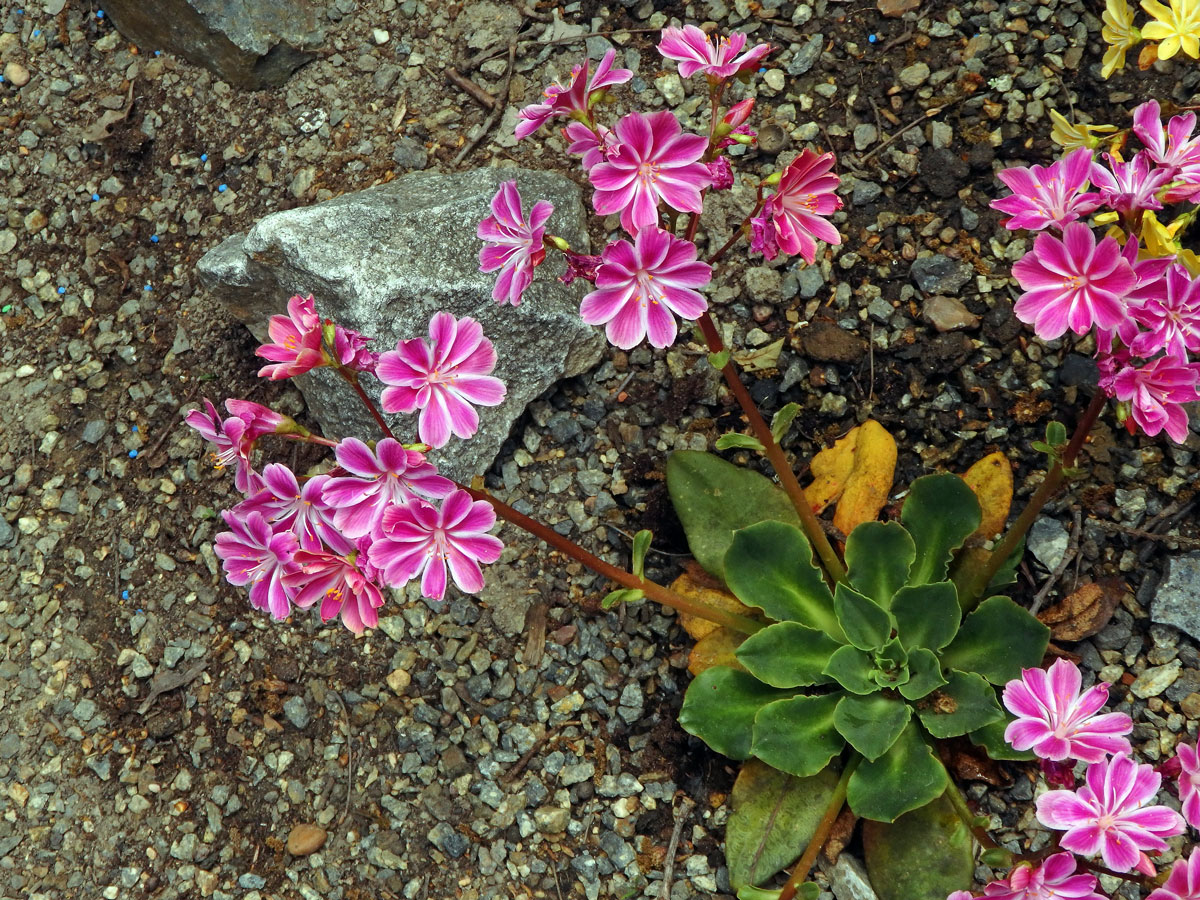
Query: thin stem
{"type": "Point", "coordinates": [982, 577]}
{"type": "Point", "coordinates": [959, 802]}
{"type": "Point", "coordinates": [821, 835]}
{"type": "Point", "coordinates": [787, 478]}
{"type": "Point", "coordinates": [352, 380]}
{"type": "Point", "coordinates": [652, 589]}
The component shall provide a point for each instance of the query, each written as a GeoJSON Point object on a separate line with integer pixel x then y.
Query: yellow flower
{"type": "Point", "coordinates": [1176, 28]}
{"type": "Point", "coordinates": [1070, 136]}
{"type": "Point", "coordinates": [1163, 240]}
{"type": "Point", "coordinates": [1119, 33]}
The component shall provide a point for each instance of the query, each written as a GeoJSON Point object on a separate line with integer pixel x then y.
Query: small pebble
{"type": "Point", "coordinates": [16, 74]}
{"type": "Point", "coordinates": [305, 839]}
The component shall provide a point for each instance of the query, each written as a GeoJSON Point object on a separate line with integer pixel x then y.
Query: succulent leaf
{"type": "Point", "coordinates": [797, 735]}
{"type": "Point", "coordinates": [906, 777]}
{"type": "Point", "coordinates": [867, 624]}
{"type": "Point", "coordinates": [927, 615]}
{"type": "Point", "coordinates": [940, 513]}
{"type": "Point", "coordinates": [997, 640]}
{"type": "Point", "coordinates": [925, 674]}
{"type": "Point", "coordinates": [788, 654]}
{"type": "Point", "coordinates": [719, 708]}
{"type": "Point", "coordinates": [852, 669]}
{"type": "Point", "coordinates": [878, 557]}
{"type": "Point", "coordinates": [871, 724]}
{"type": "Point", "coordinates": [966, 703]}
{"type": "Point", "coordinates": [769, 565]}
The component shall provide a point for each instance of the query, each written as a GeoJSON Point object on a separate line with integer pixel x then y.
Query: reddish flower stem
{"type": "Point", "coordinates": [787, 478]}
{"type": "Point", "coordinates": [821, 835]}
{"type": "Point", "coordinates": [981, 578]}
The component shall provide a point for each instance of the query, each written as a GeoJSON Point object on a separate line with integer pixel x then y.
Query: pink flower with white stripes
{"type": "Point", "coordinates": [1048, 196]}
{"type": "Point", "coordinates": [295, 345]}
{"type": "Point", "coordinates": [804, 197]}
{"type": "Point", "coordinates": [574, 98]}
{"type": "Point", "coordinates": [511, 244]}
{"type": "Point", "coordinates": [1156, 393]}
{"type": "Point", "coordinates": [255, 554]}
{"type": "Point", "coordinates": [654, 162]}
{"type": "Point", "coordinates": [641, 287]}
{"type": "Point", "coordinates": [1073, 283]}
{"type": "Point", "coordinates": [1057, 722]}
{"type": "Point", "coordinates": [1109, 815]}
{"type": "Point", "coordinates": [378, 479]}
{"type": "Point", "coordinates": [426, 540]}
{"type": "Point", "coordinates": [234, 437]}
{"type": "Point", "coordinates": [1184, 881]}
{"type": "Point", "coordinates": [1172, 317]}
{"type": "Point", "coordinates": [442, 378]}
{"type": "Point", "coordinates": [717, 58]}
{"type": "Point", "coordinates": [1189, 783]}
{"type": "Point", "coordinates": [1130, 187]}
{"type": "Point", "coordinates": [594, 147]}
{"type": "Point", "coordinates": [290, 506]}
{"type": "Point", "coordinates": [339, 584]}
{"type": "Point", "coordinates": [1054, 879]}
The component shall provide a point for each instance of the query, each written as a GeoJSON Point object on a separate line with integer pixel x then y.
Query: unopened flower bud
{"type": "Point", "coordinates": [772, 179]}
{"type": "Point", "coordinates": [558, 242]}
{"type": "Point", "coordinates": [738, 113]}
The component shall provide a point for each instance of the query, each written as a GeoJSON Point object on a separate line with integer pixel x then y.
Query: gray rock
{"type": "Point", "coordinates": [410, 154]}
{"type": "Point", "coordinates": [551, 819]}
{"type": "Point", "coordinates": [297, 712]}
{"type": "Point", "coordinates": [915, 75]}
{"type": "Point", "coordinates": [253, 44]}
{"type": "Point", "coordinates": [948, 314]}
{"type": "Point", "coordinates": [1177, 601]}
{"type": "Point", "coordinates": [865, 135]}
{"type": "Point", "coordinates": [1155, 680]}
{"type": "Point", "coordinates": [806, 57]}
{"type": "Point", "coordinates": [384, 260]}
{"type": "Point", "coordinates": [849, 880]}
{"type": "Point", "coordinates": [1048, 541]}
{"type": "Point", "coordinates": [940, 274]}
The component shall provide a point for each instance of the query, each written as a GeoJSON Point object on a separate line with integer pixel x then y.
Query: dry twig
{"type": "Point", "coordinates": [496, 110]}
{"type": "Point", "coordinates": [681, 816]}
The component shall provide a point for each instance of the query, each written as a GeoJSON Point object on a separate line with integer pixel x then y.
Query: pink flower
{"type": "Point", "coordinates": [1155, 393]}
{"type": "Point", "coordinates": [574, 98]}
{"type": "Point", "coordinates": [1054, 879]}
{"type": "Point", "coordinates": [511, 244]}
{"type": "Point", "coordinates": [1108, 814]}
{"type": "Point", "coordinates": [288, 506]}
{"type": "Point", "coordinates": [1174, 146]}
{"type": "Point", "coordinates": [1132, 186]}
{"type": "Point", "coordinates": [721, 173]}
{"type": "Point", "coordinates": [594, 146]}
{"type": "Point", "coordinates": [388, 475]}
{"type": "Point", "coordinates": [234, 437]}
{"type": "Point", "coordinates": [1044, 196]}
{"type": "Point", "coordinates": [295, 341]}
{"type": "Point", "coordinates": [254, 553]}
{"type": "Point", "coordinates": [805, 194]}
{"type": "Point", "coordinates": [1072, 283]}
{"type": "Point", "coordinates": [717, 59]}
{"type": "Point", "coordinates": [654, 162]}
{"type": "Point", "coordinates": [1172, 317]}
{"type": "Point", "coordinates": [422, 539]}
{"type": "Point", "coordinates": [1057, 722]}
{"type": "Point", "coordinates": [351, 351]}
{"type": "Point", "coordinates": [340, 586]}
{"type": "Point", "coordinates": [442, 378]}
{"type": "Point", "coordinates": [1189, 783]}
{"type": "Point", "coordinates": [762, 239]}
{"type": "Point", "coordinates": [1184, 881]}
{"type": "Point", "coordinates": [640, 285]}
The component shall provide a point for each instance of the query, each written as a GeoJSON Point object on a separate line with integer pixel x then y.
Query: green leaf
{"type": "Point", "coordinates": [788, 654]}
{"type": "Point", "coordinates": [772, 817]}
{"type": "Point", "coordinates": [621, 595]}
{"type": "Point", "coordinates": [991, 738]}
{"type": "Point", "coordinates": [871, 724]}
{"type": "Point", "coordinates": [878, 557]}
{"type": "Point", "coordinates": [940, 513]}
{"type": "Point", "coordinates": [966, 703]}
{"type": "Point", "coordinates": [719, 708]}
{"type": "Point", "coordinates": [714, 498]}
{"type": "Point", "coordinates": [641, 544]}
{"type": "Point", "coordinates": [867, 625]}
{"type": "Point", "coordinates": [797, 735]}
{"type": "Point", "coordinates": [735, 441]}
{"type": "Point", "coordinates": [927, 615]}
{"type": "Point", "coordinates": [769, 565]}
{"type": "Point", "coordinates": [891, 665]}
{"type": "Point", "coordinates": [924, 855]}
{"type": "Point", "coordinates": [905, 778]}
{"type": "Point", "coordinates": [924, 674]}
{"type": "Point", "coordinates": [1056, 434]}
{"type": "Point", "coordinates": [719, 360]}
{"type": "Point", "coordinates": [782, 421]}
{"type": "Point", "coordinates": [852, 669]}
{"type": "Point", "coordinates": [997, 640]}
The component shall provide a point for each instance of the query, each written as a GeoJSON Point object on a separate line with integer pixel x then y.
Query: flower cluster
{"type": "Point", "coordinates": [1136, 286]}
{"type": "Point", "coordinates": [382, 516]}
{"type": "Point", "coordinates": [647, 170]}
{"type": "Point", "coordinates": [1112, 814]}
